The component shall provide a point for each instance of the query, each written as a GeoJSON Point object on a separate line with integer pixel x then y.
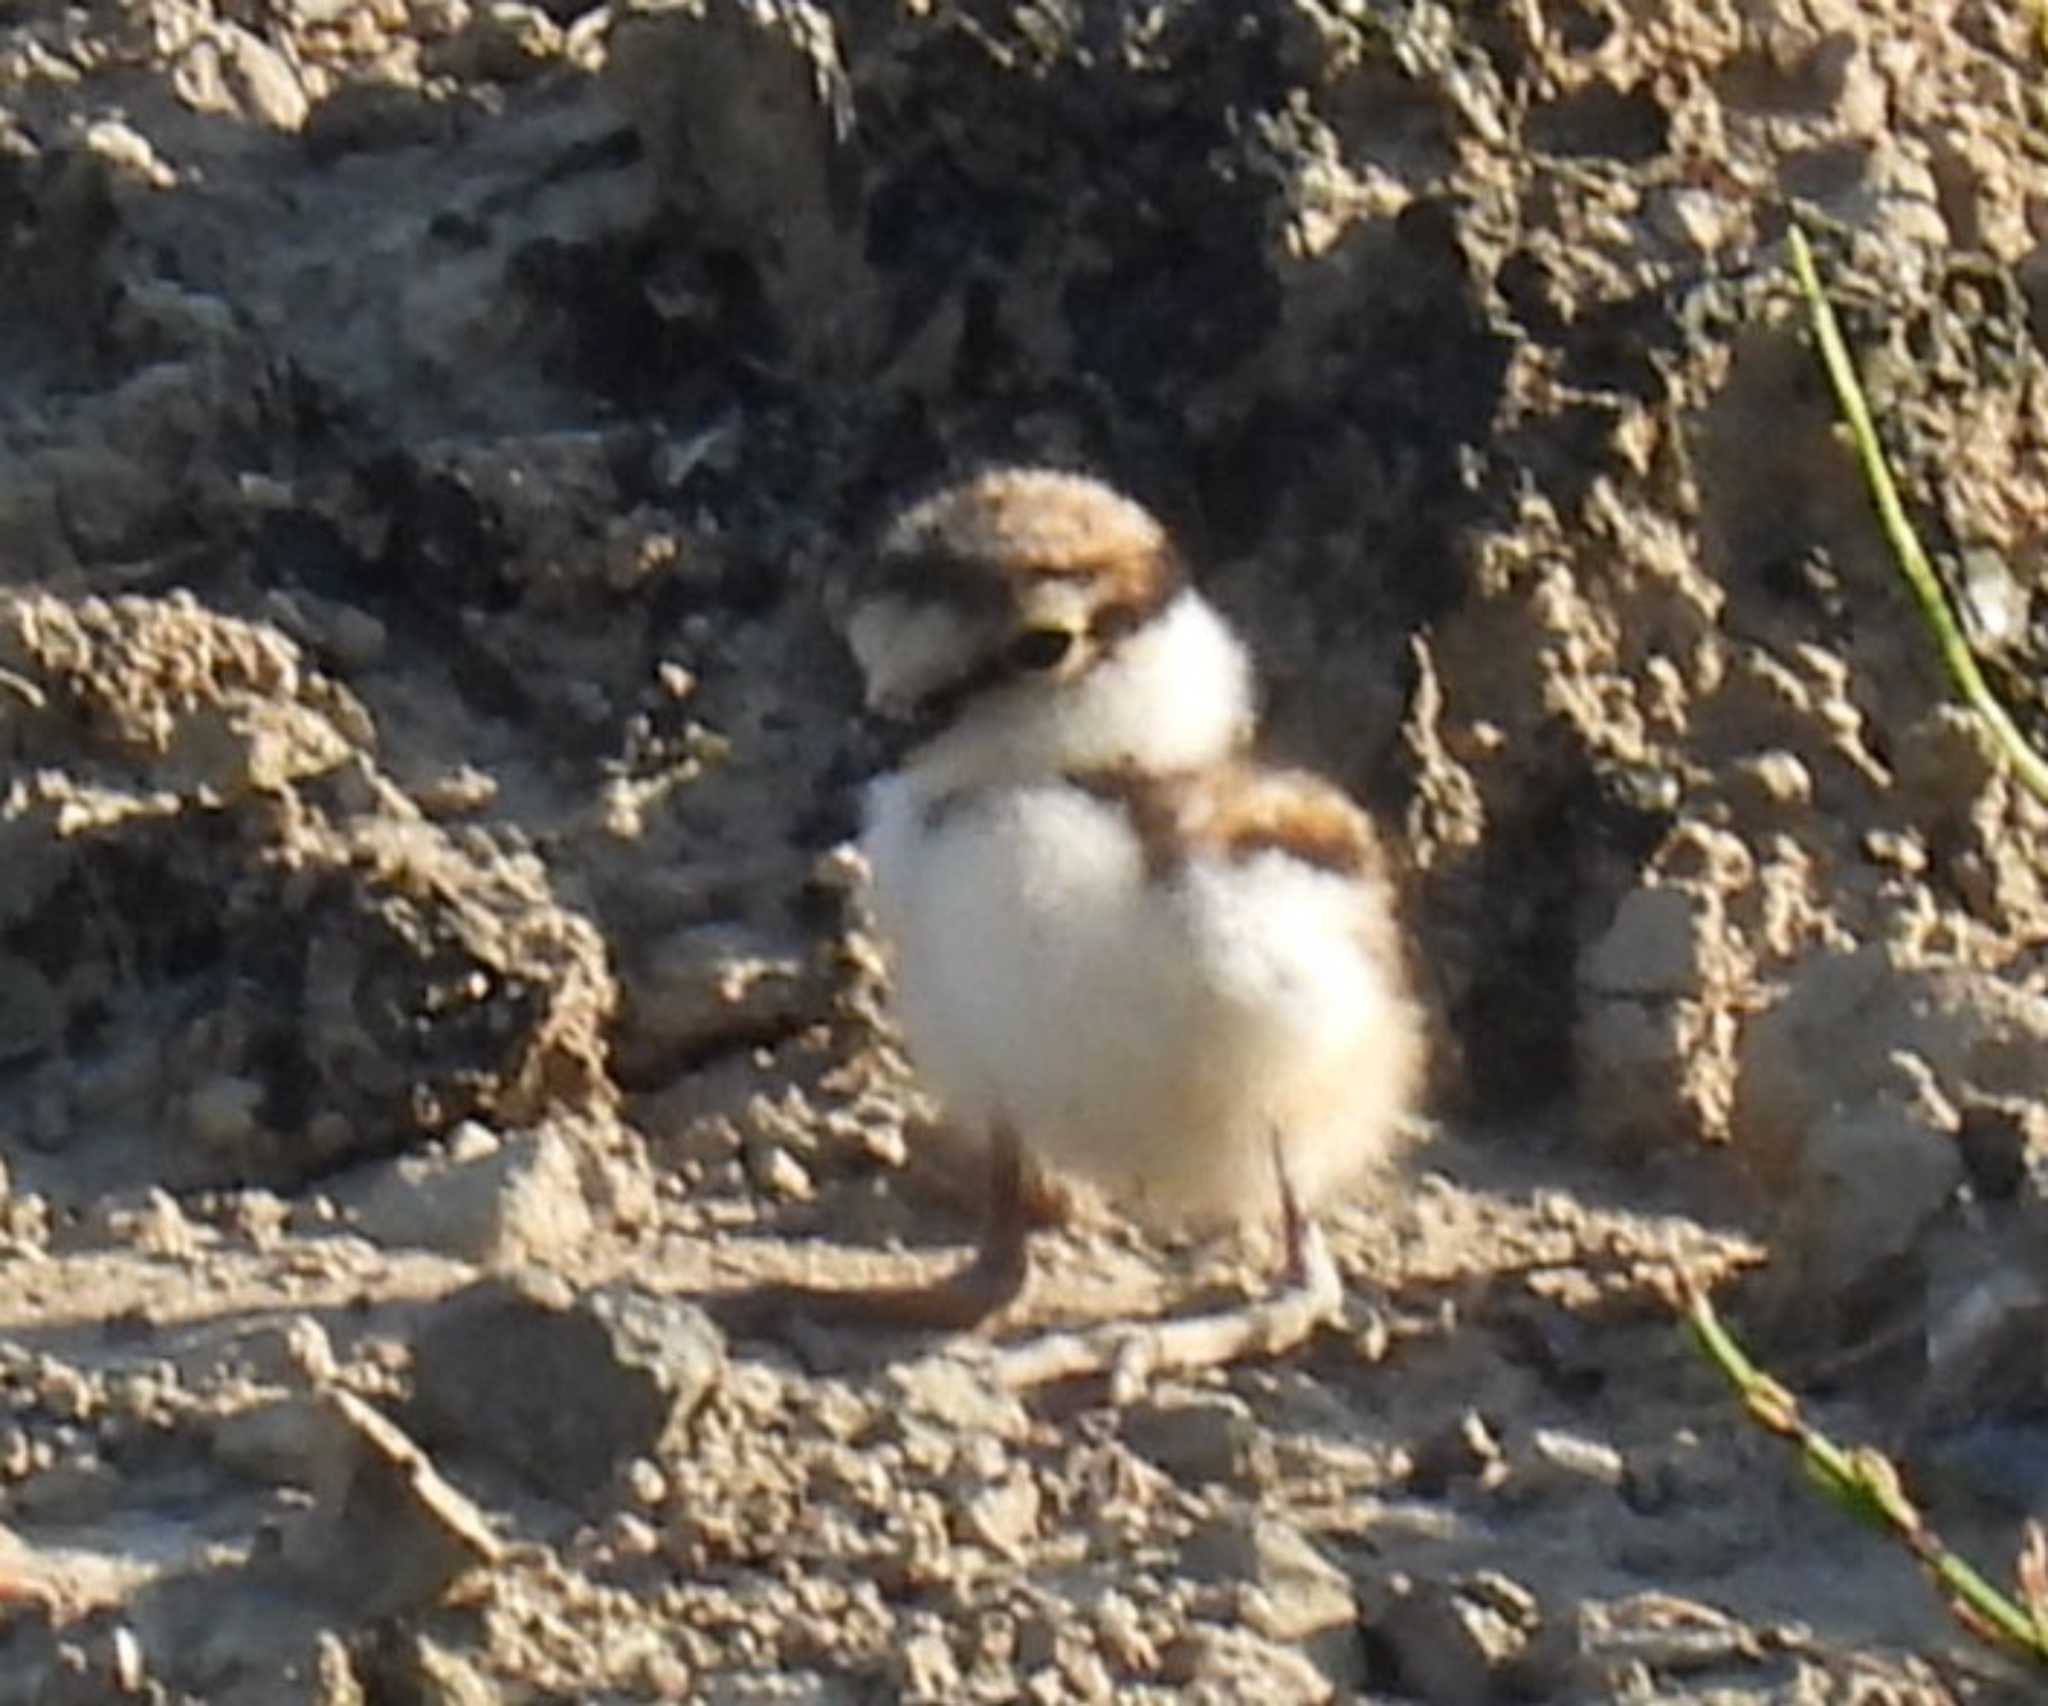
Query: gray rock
{"type": "Point", "coordinates": [1838, 1102]}
{"type": "Point", "coordinates": [956, 1395]}
{"type": "Point", "coordinates": [1654, 947]}
{"type": "Point", "coordinates": [564, 1391]}
{"type": "Point", "coordinates": [386, 1533]}
{"type": "Point", "coordinates": [1652, 990]}
{"type": "Point", "coordinates": [1198, 1439]}
{"type": "Point", "coordinates": [81, 1490]}
{"type": "Point", "coordinates": [1294, 1590]}
{"type": "Point", "coordinates": [1975, 1427]}
{"type": "Point", "coordinates": [406, 1665]}
{"type": "Point", "coordinates": [1872, 1178]}
{"type": "Point", "coordinates": [243, 1636]}
{"type": "Point", "coordinates": [286, 1440]}
{"type": "Point", "coordinates": [1215, 1665]}
{"type": "Point", "coordinates": [1442, 1646]}
{"type": "Point", "coordinates": [515, 1199]}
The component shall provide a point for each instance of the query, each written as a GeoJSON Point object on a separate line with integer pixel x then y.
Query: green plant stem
{"type": "Point", "coordinates": [1867, 1484]}
{"type": "Point", "coordinates": [1898, 528]}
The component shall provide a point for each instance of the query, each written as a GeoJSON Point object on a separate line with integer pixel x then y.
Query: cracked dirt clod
{"type": "Point", "coordinates": [386, 1532]}
{"type": "Point", "coordinates": [1197, 1438]}
{"type": "Point", "coordinates": [566, 1391]}
{"type": "Point", "coordinates": [219, 809]}
{"type": "Point", "coordinates": [1841, 1109]}
{"type": "Point", "coordinates": [1291, 1590]}
{"type": "Point", "coordinates": [494, 1201]}
{"type": "Point", "coordinates": [1447, 1645]}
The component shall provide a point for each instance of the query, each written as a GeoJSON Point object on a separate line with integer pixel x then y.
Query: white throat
{"type": "Point", "coordinates": [1176, 694]}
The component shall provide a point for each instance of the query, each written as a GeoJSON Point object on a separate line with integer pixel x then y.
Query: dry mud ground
{"type": "Point", "coordinates": [428, 987]}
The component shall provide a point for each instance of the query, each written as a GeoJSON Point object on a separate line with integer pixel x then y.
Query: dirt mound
{"type": "Point", "coordinates": [236, 952]}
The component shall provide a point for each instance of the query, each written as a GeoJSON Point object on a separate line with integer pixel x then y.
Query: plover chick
{"type": "Point", "coordinates": [1120, 943]}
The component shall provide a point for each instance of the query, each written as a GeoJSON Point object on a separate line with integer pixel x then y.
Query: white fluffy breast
{"type": "Point", "coordinates": [1153, 1033]}
{"type": "Point", "coordinates": [1003, 909]}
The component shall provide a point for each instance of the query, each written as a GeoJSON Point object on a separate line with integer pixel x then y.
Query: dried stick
{"type": "Point", "coordinates": [1131, 1353]}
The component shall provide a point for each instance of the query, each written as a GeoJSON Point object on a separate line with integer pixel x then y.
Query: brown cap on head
{"type": "Point", "coordinates": [1009, 577]}
{"type": "Point", "coordinates": [1038, 516]}
{"type": "Point", "coordinates": [1029, 523]}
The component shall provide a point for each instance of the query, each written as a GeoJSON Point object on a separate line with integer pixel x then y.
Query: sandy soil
{"type": "Point", "coordinates": [432, 985]}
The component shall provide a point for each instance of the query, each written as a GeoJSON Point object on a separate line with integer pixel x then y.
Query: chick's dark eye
{"type": "Point", "coordinates": [1040, 648]}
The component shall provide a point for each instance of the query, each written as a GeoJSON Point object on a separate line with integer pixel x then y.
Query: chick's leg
{"type": "Point", "coordinates": [995, 1277]}
{"type": "Point", "coordinates": [1310, 1296]}
{"type": "Point", "coordinates": [1306, 1257]}
{"type": "Point", "coordinates": [990, 1282]}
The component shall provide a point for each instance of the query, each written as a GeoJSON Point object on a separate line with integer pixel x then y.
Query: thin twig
{"type": "Point", "coordinates": [1898, 527]}
{"type": "Point", "coordinates": [1131, 1355]}
{"type": "Point", "coordinates": [1866, 1483]}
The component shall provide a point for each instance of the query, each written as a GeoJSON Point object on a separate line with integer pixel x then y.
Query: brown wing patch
{"type": "Point", "coordinates": [1238, 810]}
{"type": "Point", "coordinates": [1287, 811]}
{"type": "Point", "coordinates": [1153, 804]}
